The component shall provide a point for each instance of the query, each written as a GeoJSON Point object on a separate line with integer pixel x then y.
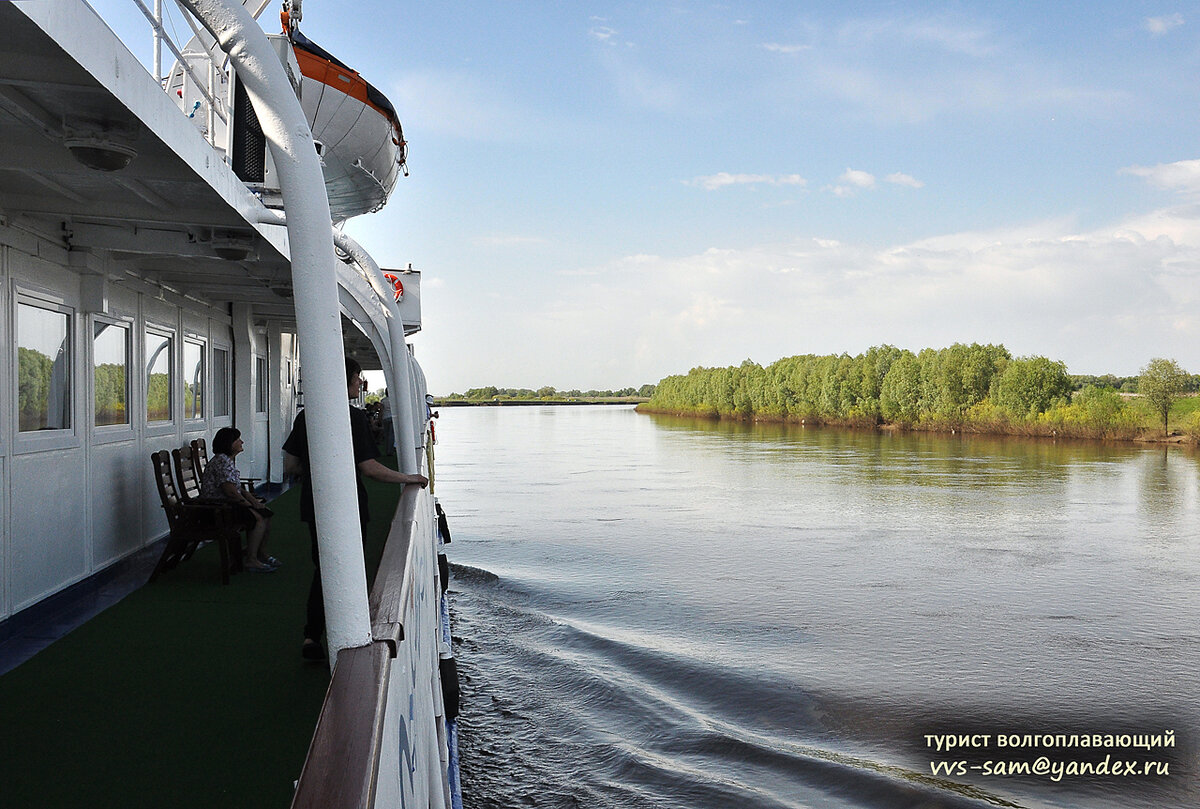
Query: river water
{"type": "Point", "coordinates": [662, 612]}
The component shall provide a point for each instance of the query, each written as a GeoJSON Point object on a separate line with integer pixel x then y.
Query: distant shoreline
{"type": "Point", "coordinates": [536, 402]}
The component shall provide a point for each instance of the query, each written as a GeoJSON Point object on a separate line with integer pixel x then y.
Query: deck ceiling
{"type": "Point", "coordinates": [158, 219]}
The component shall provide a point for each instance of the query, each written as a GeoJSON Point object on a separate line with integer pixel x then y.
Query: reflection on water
{"type": "Point", "coordinates": [680, 612]}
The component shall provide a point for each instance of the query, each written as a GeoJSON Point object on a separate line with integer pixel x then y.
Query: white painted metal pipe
{"type": "Point", "coordinates": [406, 447]}
{"type": "Point", "coordinates": [318, 319]}
{"type": "Point", "coordinates": [158, 35]}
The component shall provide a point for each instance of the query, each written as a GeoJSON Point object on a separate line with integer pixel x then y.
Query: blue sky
{"type": "Point", "coordinates": [606, 193]}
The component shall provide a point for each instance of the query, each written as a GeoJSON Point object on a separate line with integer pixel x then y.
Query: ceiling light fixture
{"type": "Point", "coordinates": [100, 154]}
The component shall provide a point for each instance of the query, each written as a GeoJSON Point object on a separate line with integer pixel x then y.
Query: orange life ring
{"type": "Point", "coordinates": [396, 285]}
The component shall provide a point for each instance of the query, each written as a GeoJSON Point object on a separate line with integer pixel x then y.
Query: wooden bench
{"type": "Point", "coordinates": [192, 523]}
{"type": "Point", "coordinates": [186, 473]}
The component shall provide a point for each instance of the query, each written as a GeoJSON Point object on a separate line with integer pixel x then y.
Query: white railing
{"type": "Point", "coordinates": [382, 737]}
{"type": "Point", "coordinates": [199, 80]}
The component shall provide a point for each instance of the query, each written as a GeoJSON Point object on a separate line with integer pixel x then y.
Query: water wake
{"type": "Point", "coordinates": [563, 712]}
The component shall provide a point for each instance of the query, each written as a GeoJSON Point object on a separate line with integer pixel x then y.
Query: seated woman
{"type": "Point", "coordinates": [222, 483]}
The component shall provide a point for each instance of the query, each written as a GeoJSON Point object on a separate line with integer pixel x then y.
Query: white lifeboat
{"type": "Point", "coordinates": [358, 135]}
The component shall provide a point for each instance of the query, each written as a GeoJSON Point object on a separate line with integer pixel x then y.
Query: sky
{"type": "Point", "coordinates": [605, 193]}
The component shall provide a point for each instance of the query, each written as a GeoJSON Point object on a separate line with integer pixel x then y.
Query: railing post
{"type": "Point", "coordinates": [158, 40]}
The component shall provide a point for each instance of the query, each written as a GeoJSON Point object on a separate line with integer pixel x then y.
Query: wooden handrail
{"type": "Point", "coordinates": [387, 596]}
{"type": "Point", "coordinates": [343, 760]}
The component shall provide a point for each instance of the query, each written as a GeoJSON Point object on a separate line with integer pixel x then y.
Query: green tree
{"type": "Point", "coordinates": [900, 393]}
{"type": "Point", "coordinates": [1031, 385]}
{"type": "Point", "coordinates": [1161, 383]}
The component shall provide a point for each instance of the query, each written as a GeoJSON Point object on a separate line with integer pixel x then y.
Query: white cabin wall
{"type": "Point", "coordinates": [85, 497]}
{"type": "Point", "coordinates": [6, 384]}
{"type": "Point", "coordinates": [161, 318]}
{"type": "Point", "coordinates": [5, 553]}
{"type": "Point", "coordinates": [250, 345]}
{"type": "Point", "coordinates": [277, 368]}
{"type": "Point", "coordinates": [258, 446]}
{"type": "Point", "coordinates": [117, 507]}
{"type": "Point", "coordinates": [283, 397]}
{"type": "Point", "coordinates": [48, 539]}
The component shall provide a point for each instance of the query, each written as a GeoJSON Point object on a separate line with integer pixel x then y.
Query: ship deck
{"type": "Point", "coordinates": [185, 693]}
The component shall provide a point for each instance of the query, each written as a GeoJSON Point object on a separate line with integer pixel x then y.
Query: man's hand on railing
{"type": "Point", "coordinates": [377, 471]}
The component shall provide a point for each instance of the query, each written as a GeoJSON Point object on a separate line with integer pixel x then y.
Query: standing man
{"type": "Point", "coordinates": [295, 461]}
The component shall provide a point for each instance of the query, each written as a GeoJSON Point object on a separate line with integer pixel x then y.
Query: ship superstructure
{"type": "Point", "coordinates": [147, 298]}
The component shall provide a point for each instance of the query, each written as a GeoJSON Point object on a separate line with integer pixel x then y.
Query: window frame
{"type": "Point", "coordinates": [261, 394]}
{"type": "Point", "coordinates": [60, 437]}
{"type": "Point", "coordinates": [103, 433]}
{"type": "Point", "coordinates": [227, 387]}
{"type": "Point", "coordinates": [168, 425]}
{"type": "Point", "coordinates": [205, 410]}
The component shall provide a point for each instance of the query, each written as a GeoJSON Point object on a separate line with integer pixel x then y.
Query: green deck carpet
{"type": "Point", "coordinates": [186, 693]}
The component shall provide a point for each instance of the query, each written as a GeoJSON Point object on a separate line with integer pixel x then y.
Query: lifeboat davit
{"type": "Point", "coordinates": [358, 135]}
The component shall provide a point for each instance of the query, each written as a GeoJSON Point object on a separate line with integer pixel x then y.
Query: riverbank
{"type": "Point", "coordinates": [997, 426]}
{"type": "Point", "coordinates": [973, 388]}
{"type": "Point", "coordinates": [620, 400]}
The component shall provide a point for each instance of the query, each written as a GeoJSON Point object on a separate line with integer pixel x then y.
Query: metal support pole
{"type": "Point", "coordinates": [158, 40]}
{"type": "Point", "coordinates": [406, 449]}
{"type": "Point", "coordinates": [318, 319]}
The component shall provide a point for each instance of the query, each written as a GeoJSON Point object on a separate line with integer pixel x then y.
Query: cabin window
{"type": "Point", "coordinates": [43, 367]}
{"type": "Point", "coordinates": [110, 372]}
{"type": "Point", "coordinates": [159, 378]}
{"type": "Point", "coordinates": [260, 384]}
{"type": "Point", "coordinates": [220, 391]}
{"type": "Point", "coordinates": [193, 379]}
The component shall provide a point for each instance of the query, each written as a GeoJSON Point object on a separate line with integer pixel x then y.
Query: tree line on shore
{"type": "Point", "coordinates": [546, 393]}
{"type": "Point", "coordinates": [976, 388]}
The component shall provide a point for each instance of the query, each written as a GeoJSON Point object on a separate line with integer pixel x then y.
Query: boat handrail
{"type": "Point", "coordinates": [343, 760]}
{"type": "Point", "coordinates": [387, 596]}
{"type": "Point", "coordinates": [342, 766]}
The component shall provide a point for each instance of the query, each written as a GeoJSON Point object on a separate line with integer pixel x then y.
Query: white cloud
{"type": "Point", "coordinates": [1161, 25]}
{"type": "Point", "coordinates": [602, 33]}
{"type": "Point", "coordinates": [858, 179]}
{"type": "Point", "coordinates": [776, 47]}
{"type": "Point", "coordinates": [854, 181]}
{"type": "Point", "coordinates": [938, 33]}
{"type": "Point", "coordinates": [1102, 301]}
{"type": "Point", "coordinates": [914, 69]}
{"type": "Point", "coordinates": [1183, 175]}
{"type": "Point", "coordinates": [712, 182]}
{"type": "Point", "coordinates": [897, 178]}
